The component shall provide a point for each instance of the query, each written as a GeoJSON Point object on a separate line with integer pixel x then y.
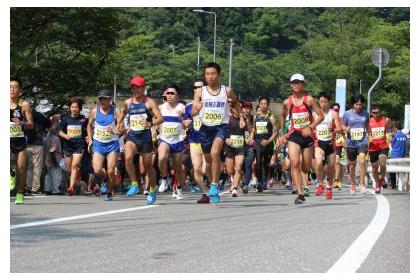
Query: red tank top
{"type": "Point", "coordinates": [300, 116]}
{"type": "Point", "coordinates": [378, 129]}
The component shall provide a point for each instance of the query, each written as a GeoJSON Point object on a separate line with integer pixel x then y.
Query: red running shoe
{"type": "Point", "coordinates": [378, 189]}
{"type": "Point", "coordinates": [97, 190]}
{"type": "Point", "coordinates": [70, 191]}
{"type": "Point", "coordinates": [319, 190]}
{"type": "Point", "coordinates": [328, 194]}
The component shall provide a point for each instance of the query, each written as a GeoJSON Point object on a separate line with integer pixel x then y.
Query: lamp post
{"type": "Point", "coordinates": [214, 42]}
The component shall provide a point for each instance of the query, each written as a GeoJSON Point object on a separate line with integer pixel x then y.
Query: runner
{"type": "Point", "coordinates": [250, 145]}
{"type": "Point", "coordinates": [143, 113]}
{"type": "Point", "coordinates": [301, 135]}
{"type": "Point", "coordinates": [324, 145]}
{"type": "Point", "coordinates": [194, 137]}
{"type": "Point", "coordinates": [103, 140]}
{"type": "Point", "coordinates": [172, 141]}
{"type": "Point", "coordinates": [340, 141]}
{"type": "Point", "coordinates": [235, 147]}
{"type": "Point", "coordinates": [356, 124]}
{"type": "Point", "coordinates": [264, 132]}
{"type": "Point", "coordinates": [20, 119]}
{"type": "Point", "coordinates": [211, 103]}
{"type": "Point", "coordinates": [73, 130]}
{"type": "Point", "coordinates": [380, 127]}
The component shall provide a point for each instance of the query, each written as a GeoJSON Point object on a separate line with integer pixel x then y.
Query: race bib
{"type": "Point", "coordinates": [261, 127]}
{"type": "Point", "coordinates": [16, 130]}
{"type": "Point", "coordinates": [300, 120]}
{"type": "Point", "coordinates": [356, 133]}
{"type": "Point", "coordinates": [170, 130]}
{"type": "Point", "coordinates": [246, 136]}
{"type": "Point", "coordinates": [212, 117]}
{"type": "Point", "coordinates": [378, 133]}
{"type": "Point", "coordinates": [237, 141]}
{"type": "Point", "coordinates": [197, 124]}
{"type": "Point", "coordinates": [135, 122]}
{"type": "Point", "coordinates": [102, 134]}
{"type": "Point", "coordinates": [323, 132]}
{"type": "Point", "coordinates": [74, 131]}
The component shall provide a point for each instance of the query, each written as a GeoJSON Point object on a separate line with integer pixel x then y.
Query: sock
{"type": "Point", "coordinates": [152, 189]}
{"type": "Point", "coordinates": [134, 183]}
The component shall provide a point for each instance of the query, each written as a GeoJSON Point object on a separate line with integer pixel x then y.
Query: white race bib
{"type": "Point", "coordinates": [237, 141]}
{"type": "Point", "coordinates": [261, 127]}
{"type": "Point", "coordinates": [197, 124]}
{"type": "Point", "coordinates": [103, 134]}
{"type": "Point", "coordinates": [323, 132]}
{"type": "Point", "coordinates": [300, 120]}
{"type": "Point", "coordinates": [74, 131]}
{"type": "Point", "coordinates": [170, 129]}
{"type": "Point", "coordinates": [212, 117]}
{"type": "Point", "coordinates": [135, 122]}
{"type": "Point", "coordinates": [16, 130]}
{"type": "Point", "coordinates": [378, 133]}
{"type": "Point", "coordinates": [356, 133]}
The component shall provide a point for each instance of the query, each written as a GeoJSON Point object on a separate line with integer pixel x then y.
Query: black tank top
{"type": "Point", "coordinates": [264, 128]}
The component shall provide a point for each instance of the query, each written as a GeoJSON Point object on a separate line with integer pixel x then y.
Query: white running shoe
{"type": "Point", "coordinates": [177, 194]}
{"type": "Point", "coordinates": [234, 193]}
{"type": "Point", "coordinates": [163, 185]}
{"type": "Point", "coordinates": [363, 189]}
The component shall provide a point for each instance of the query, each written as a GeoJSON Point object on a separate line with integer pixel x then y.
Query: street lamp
{"type": "Point", "coordinates": [214, 42]}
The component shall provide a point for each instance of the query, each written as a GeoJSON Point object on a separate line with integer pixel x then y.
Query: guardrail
{"type": "Point", "coordinates": [400, 166]}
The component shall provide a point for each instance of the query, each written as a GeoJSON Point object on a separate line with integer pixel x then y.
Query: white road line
{"type": "Point", "coordinates": [59, 220]}
{"type": "Point", "coordinates": [356, 254]}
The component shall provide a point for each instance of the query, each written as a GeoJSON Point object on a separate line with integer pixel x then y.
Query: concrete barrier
{"type": "Point", "coordinates": [400, 166]}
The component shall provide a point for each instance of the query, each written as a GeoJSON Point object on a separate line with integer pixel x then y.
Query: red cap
{"type": "Point", "coordinates": [138, 81]}
{"type": "Point", "coordinates": [247, 104]}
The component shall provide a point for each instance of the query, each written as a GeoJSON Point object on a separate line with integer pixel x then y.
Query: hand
{"type": "Point", "coordinates": [186, 123]}
{"type": "Point", "coordinates": [306, 131]}
{"type": "Point", "coordinates": [90, 146]}
{"type": "Point", "coordinates": [145, 123]}
{"type": "Point", "coordinates": [228, 141]}
{"type": "Point", "coordinates": [67, 137]}
{"type": "Point", "coordinates": [265, 142]}
{"type": "Point", "coordinates": [16, 120]}
{"type": "Point", "coordinates": [251, 141]}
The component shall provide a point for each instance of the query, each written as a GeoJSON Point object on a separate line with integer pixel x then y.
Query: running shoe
{"type": "Point", "coordinates": [133, 190]}
{"type": "Point", "coordinates": [195, 189]}
{"type": "Point", "coordinates": [319, 190]}
{"type": "Point", "coordinates": [151, 198]}
{"type": "Point", "coordinates": [104, 189]}
{"type": "Point", "coordinates": [328, 193]}
{"type": "Point", "coordinates": [300, 199]}
{"type": "Point", "coordinates": [70, 191]}
{"type": "Point", "coordinates": [145, 191]}
{"type": "Point", "coordinates": [384, 185]}
{"type": "Point", "coordinates": [108, 197]}
{"type": "Point", "coordinates": [259, 188]}
{"type": "Point", "coordinates": [12, 182]}
{"type": "Point", "coordinates": [378, 189]}
{"type": "Point", "coordinates": [353, 189]}
{"type": "Point", "coordinates": [234, 193]}
{"type": "Point", "coordinates": [289, 187]}
{"type": "Point", "coordinates": [97, 190]}
{"type": "Point", "coordinates": [245, 190]}
{"type": "Point", "coordinates": [335, 183]}
{"type": "Point", "coordinates": [363, 189]}
{"type": "Point", "coordinates": [204, 199]}
{"type": "Point", "coordinates": [214, 194]}
{"type": "Point", "coordinates": [294, 191]}
{"type": "Point", "coordinates": [177, 194]}
{"type": "Point", "coordinates": [270, 183]}
{"type": "Point", "coordinates": [163, 185]}
{"type": "Point", "coordinates": [306, 191]}
{"type": "Point", "coordinates": [19, 198]}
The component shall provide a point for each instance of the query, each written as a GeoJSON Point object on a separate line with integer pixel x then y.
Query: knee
{"type": "Point", "coordinates": [215, 155]}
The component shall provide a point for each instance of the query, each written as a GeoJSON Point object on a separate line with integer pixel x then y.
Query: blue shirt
{"type": "Point", "coordinates": [76, 128]}
{"type": "Point", "coordinates": [193, 135]}
{"type": "Point", "coordinates": [399, 145]}
{"type": "Point", "coordinates": [354, 120]}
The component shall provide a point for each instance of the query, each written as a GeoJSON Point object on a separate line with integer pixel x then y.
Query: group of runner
{"type": "Point", "coordinates": [216, 131]}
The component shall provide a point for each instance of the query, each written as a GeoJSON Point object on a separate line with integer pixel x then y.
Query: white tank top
{"type": "Point", "coordinates": [323, 130]}
{"type": "Point", "coordinates": [172, 131]}
{"type": "Point", "coordinates": [215, 107]}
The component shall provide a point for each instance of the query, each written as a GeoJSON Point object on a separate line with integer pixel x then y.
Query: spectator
{"type": "Point", "coordinates": [399, 142]}
{"type": "Point", "coordinates": [407, 144]}
{"type": "Point", "coordinates": [53, 156]}
{"type": "Point", "coordinates": [35, 149]}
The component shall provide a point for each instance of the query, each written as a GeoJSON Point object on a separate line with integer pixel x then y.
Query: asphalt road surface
{"type": "Point", "coordinates": [257, 232]}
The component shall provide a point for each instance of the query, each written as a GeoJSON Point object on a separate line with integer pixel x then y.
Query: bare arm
{"type": "Point", "coordinates": [320, 115]}
{"type": "Point", "coordinates": [235, 101]}
{"type": "Point", "coordinates": [336, 120]}
{"type": "Point", "coordinates": [26, 109]}
{"type": "Point", "coordinates": [196, 107]}
{"type": "Point", "coordinates": [90, 125]}
{"type": "Point", "coordinates": [157, 115]}
{"type": "Point", "coordinates": [122, 114]}
{"type": "Point", "coordinates": [275, 129]}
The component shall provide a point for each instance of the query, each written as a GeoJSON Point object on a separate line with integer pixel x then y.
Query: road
{"type": "Point", "coordinates": [256, 232]}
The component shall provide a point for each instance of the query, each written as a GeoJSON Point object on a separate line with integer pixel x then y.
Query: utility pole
{"type": "Point", "coordinates": [115, 87]}
{"type": "Point", "coordinates": [230, 62]}
{"type": "Point", "coordinates": [198, 55]}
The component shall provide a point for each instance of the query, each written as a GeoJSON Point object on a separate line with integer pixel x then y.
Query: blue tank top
{"type": "Point", "coordinates": [194, 134]}
{"type": "Point", "coordinates": [102, 124]}
{"type": "Point", "coordinates": [137, 111]}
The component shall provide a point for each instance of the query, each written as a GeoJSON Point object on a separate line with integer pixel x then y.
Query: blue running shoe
{"type": "Point", "coordinates": [214, 194]}
{"type": "Point", "coordinates": [151, 198]}
{"type": "Point", "coordinates": [108, 197]}
{"type": "Point", "coordinates": [133, 190]}
{"type": "Point", "coordinates": [215, 198]}
{"type": "Point", "coordinates": [195, 189]}
{"type": "Point", "coordinates": [104, 189]}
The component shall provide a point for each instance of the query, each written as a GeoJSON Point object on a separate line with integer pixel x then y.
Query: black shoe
{"type": "Point", "coordinates": [384, 186]}
{"type": "Point", "coordinates": [300, 199]}
{"type": "Point", "coordinates": [245, 190]}
{"type": "Point", "coordinates": [289, 187]}
{"type": "Point", "coordinates": [259, 188]}
{"type": "Point", "coordinates": [294, 191]}
{"type": "Point", "coordinates": [48, 193]}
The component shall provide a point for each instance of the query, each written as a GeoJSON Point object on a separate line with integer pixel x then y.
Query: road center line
{"type": "Point", "coordinates": [356, 254]}
{"type": "Point", "coordinates": [71, 218]}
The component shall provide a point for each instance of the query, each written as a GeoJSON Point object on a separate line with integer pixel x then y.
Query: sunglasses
{"type": "Point", "coordinates": [196, 87]}
{"type": "Point", "coordinates": [170, 93]}
{"type": "Point", "coordinates": [377, 112]}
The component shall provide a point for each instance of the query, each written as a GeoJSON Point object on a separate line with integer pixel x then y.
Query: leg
{"type": "Point", "coordinates": [38, 163]}
{"type": "Point", "coordinates": [130, 149]}
{"type": "Point", "coordinates": [319, 164]}
{"type": "Point", "coordinates": [197, 163]}
{"type": "Point", "coordinates": [239, 161]}
{"type": "Point", "coordinates": [248, 165]}
{"type": "Point", "coordinates": [215, 159]}
{"type": "Point", "coordinates": [150, 171]}
{"type": "Point", "coordinates": [259, 162]}
{"type": "Point", "coordinates": [382, 165]}
{"type": "Point", "coordinates": [29, 167]}
{"type": "Point", "coordinates": [75, 165]}
{"type": "Point", "coordinates": [295, 165]}
{"type": "Point", "coordinates": [362, 161]}
{"type": "Point", "coordinates": [21, 168]}
{"type": "Point", "coordinates": [179, 172]}
{"type": "Point", "coordinates": [111, 162]}
{"type": "Point", "coordinates": [163, 155]}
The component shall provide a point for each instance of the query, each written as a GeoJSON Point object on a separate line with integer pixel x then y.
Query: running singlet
{"type": "Point", "coordinates": [16, 130]}
{"type": "Point", "coordinates": [76, 129]}
{"type": "Point", "coordinates": [215, 107]}
{"type": "Point", "coordinates": [323, 130]}
{"type": "Point", "coordinates": [104, 128]}
{"type": "Point", "coordinates": [136, 113]}
{"type": "Point", "coordinates": [237, 134]}
{"type": "Point", "coordinates": [300, 116]}
{"type": "Point", "coordinates": [172, 131]}
{"type": "Point", "coordinates": [194, 133]}
{"type": "Point", "coordinates": [378, 129]}
{"type": "Point", "coordinates": [263, 127]}
{"type": "Point", "coordinates": [356, 122]}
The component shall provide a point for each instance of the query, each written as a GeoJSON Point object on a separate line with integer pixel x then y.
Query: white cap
{"type": "Point", "coordinates": [298, 77]}
{"type": "Point", "coordinates": [405, 131]}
